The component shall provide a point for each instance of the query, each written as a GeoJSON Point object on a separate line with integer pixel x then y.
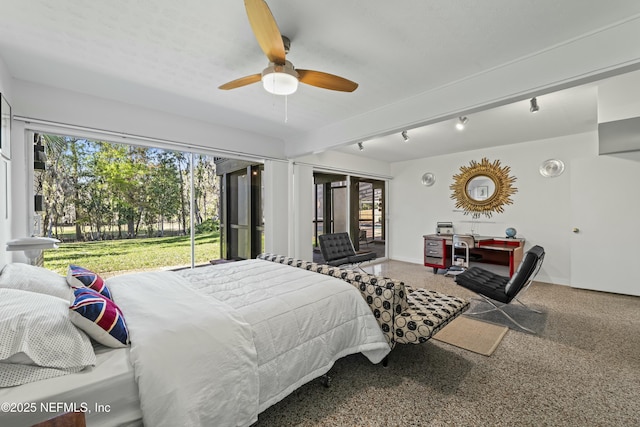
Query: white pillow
{"type": "Point", "coordinates": [38, 340]}
{"type": "Point", "coordinates": [30, 278]}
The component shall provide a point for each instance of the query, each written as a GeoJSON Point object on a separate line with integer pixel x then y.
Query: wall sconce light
{"type": "Point", "coordinates": [405, 136]}
{"type": "Point", "coordinates": [534, 105]}
{"type": "Point", "coordinates": [551, 168]}
{"type": "Point", "coordinates": [462, 121]}
{"type": "Point", "coordinates": [32, 246]}
{"type": "Point", "coordinates": [360, 146]}
{"type": "Point", "coordinates": [428, 179]}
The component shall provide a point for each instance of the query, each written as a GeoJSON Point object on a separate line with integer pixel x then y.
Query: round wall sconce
{"type": "Point", "coordinates": [551, 168]}
{"type": "Point", "coordinates": [428, 179]}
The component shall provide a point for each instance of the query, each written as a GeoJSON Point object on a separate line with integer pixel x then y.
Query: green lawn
{"type": "Point", "coordinates": [116, 256]}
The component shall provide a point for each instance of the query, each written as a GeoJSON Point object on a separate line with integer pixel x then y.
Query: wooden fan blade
{"type": "Point", "coordinates": [266, 30]}
{"type": "Point", "coordinates": [242, 81]}
{"type": "Point", "coordinates": [326, 80]}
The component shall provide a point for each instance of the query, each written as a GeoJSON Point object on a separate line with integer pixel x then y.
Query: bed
{"type": "Point", "coordinates": [214, 345]}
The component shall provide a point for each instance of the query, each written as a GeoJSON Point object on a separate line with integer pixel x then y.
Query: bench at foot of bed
{"type": "Point", "coordinates": [406, 315]}
{"type": "Point", "coordinates": [428, 312]}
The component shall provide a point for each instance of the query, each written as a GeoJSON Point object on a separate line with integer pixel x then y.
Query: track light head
{"type": "Point", "coordinates": [534, 105]}
{"type": "Point", "coordinates": [360, 146]}
{"type": "Point", "coordinates": [405, 136]}
{"type": "Point", "coordinates": [462, 121]}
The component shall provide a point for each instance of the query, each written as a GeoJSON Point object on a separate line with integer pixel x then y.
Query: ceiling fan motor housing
{"type": "Point", "coordinates": [287, 68]}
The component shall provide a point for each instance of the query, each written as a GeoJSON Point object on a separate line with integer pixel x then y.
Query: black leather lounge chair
{"type": "Point", "coordinates": [337, 250]}
{"type": "Point", "coordinates": [501, 290]}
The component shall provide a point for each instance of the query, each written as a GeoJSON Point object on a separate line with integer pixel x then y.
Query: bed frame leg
{"type": "Point", "coordinates": [326, 380]}
{"type": "Point", "coordinates": [385, 362]}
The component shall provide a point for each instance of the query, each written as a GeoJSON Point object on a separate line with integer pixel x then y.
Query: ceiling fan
{"type": "Point", "coordinates": [280, 77]}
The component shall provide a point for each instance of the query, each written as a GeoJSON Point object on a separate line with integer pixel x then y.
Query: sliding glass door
{"type": "Point", "coordinates": [242, 224]}
{"type": "Point", "coordinates": [371, 222]}
{"type": "Point", "coordinates": [330, 214]}
{"type": "Point", "coordinates": [353, 204]}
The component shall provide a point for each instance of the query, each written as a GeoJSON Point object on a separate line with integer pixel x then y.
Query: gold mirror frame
{"type": "Point", "coordinates": [496, 202]}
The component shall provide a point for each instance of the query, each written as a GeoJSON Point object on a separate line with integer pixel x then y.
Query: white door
{"type": "Point", "coordinates": [605, 204]}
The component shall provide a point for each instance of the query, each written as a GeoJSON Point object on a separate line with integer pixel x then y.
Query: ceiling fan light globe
{"type": "Point", "coordinates": [280, 79]}
{"type": "Point", "coordinates": [280, 83]}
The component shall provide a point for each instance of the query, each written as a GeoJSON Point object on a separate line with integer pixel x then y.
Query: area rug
{"type": "Point", "coordinates": [473, 335]}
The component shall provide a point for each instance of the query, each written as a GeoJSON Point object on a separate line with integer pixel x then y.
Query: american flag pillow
{"type": "Point", "coordinates": [99, 317]}
{"type": "Point", "coordinates": [78, 277]}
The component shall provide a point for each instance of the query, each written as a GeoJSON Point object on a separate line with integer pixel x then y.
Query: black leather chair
{"type": "Point", "coordinates": [500, 290]}
{"type": "Point", "coordinates": [337, 249]}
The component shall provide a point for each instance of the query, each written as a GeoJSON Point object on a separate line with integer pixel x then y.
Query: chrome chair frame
{"type": "Point", "coordinates": [498, 305]}
{"type": "Point", "coordinates": [465, 241]}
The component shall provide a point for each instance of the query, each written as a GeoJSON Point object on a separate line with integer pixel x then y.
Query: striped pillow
{"type": "Point", "coordinates": [78, 277]}
{"type": "Point", "coordinates": [99, 317]}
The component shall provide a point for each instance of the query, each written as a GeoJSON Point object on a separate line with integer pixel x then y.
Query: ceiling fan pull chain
{"type": "Point", "coordinates": [286, 108]}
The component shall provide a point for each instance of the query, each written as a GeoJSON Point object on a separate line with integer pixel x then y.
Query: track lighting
{"type": "Point", "coordinates": [405, 136]}
{"type": "Point", "coordinates": [360, 146]}
{"type": "Point", "coordinates": [462, 121]}
{"type": "Point", "coordinates": [534, 105]}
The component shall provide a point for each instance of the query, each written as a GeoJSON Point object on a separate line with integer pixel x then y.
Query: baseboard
{"type": "Point", "coordinates": [409, 260]}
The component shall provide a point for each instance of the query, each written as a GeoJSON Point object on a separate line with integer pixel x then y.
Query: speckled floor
{"type": "Point", "coordinates": [582, 370]}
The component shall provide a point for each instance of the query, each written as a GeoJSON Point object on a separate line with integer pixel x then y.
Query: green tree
{"type": "Point", "coordinates": [164, 186]}
{"type": "Point", "coordinates": [124, 170]}
{"type": "Point", "coordinates": [53, 184]}
{"type": "Point", "coordinates": [206, 188]}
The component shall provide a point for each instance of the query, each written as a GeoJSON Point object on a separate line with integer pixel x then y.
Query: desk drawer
{"type": "Point", "coordinates": [433, 251]}
{"type": "Point", "coordinates": [434, 262]}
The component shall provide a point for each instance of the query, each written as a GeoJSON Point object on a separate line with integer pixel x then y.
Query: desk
{"type": "Point", "coordinates": [490, 249]}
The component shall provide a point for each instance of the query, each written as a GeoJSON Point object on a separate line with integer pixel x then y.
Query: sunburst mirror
{"type": "Point", "coordinates": [483, 188]}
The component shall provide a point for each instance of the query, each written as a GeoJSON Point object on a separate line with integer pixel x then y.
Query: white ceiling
{"type": "Point", "coordinates": [172, 56]}
{"type": "Point", "coordinates": [566, 112]}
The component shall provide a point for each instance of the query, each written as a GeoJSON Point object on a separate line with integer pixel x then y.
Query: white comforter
{"type": "Point", "coordinates": [193, 356]}
{"type": "Point", "coordinates": [219, 344]}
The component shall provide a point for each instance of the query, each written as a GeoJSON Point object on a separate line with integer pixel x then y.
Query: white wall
{"type": "Point", "coordinates": [277, 187]}
{"type": "Point", "coordinates": [5, 174]}
{"type": "Point", "coordinates": [619, 98]}
{"type": "Point", "coordinates": [541, 209]}
{"type": "Point", "coordinates": [64, 106]}
{"type": "Point", "coordinates": [302, 198]}
{"type": "Point", "coordinates": [347, 164]}
{"type": "Point", "coordinates": [21, 204]}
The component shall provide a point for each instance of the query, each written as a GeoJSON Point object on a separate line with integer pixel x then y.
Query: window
{"type": "Point", "coordinates": [119, 207]}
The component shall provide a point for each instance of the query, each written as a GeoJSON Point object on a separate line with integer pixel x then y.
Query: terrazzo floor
{"type": "Point", "coordinates": [583, 369]}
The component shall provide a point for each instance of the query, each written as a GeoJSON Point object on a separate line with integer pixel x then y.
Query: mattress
{"type": "Point", "coordinates": [107, 393]}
